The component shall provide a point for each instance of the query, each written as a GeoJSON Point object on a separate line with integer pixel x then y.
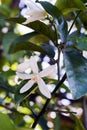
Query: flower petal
{"type": "Point", "coordinates": [43, 88]}
{"type": "Point", "coordinates": [33, 64]}
{"type": "Point", "coordinates": [46, 72]}
{"type": "Point", "coordinates": [27, 86]}
{"type": "Point", "coordinates": [33, 17]}
{"type": "Point", "coordinates": [24, 76]}
{"type": "Point", "coordinates": [23, 66]}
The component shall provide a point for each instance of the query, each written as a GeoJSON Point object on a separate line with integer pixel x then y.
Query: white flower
{"type": "Point", "coordinates": [33, 11]}
{"type": "Point", "coordinates": [36, 77]}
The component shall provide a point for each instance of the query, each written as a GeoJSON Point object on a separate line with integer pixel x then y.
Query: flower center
{"type": "Point", "coordinates": [35, 78]}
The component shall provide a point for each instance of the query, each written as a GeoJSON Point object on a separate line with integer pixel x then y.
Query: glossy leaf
{"type": "Point", "coordinates": [80, 42]}
{"type": "Point", "coordinates": [34, 37]}
{"type": "Point", "coordinates": [76, 70]}
{"type": "Point", "coordinates": [25, 46]}
{"type": "Point", "coordinates": [51, 9]}
{"type": "Point", "coordinates": [63, 29]}
{"type": "Point", "coordinates": [6, 123]}
{"type": "Point", "coordinates": [38, 26]}
{"type": "Point", "coordinates": [23, 43]}
{"type": "Point", "coordinates": [49, 50]}
{"type": "Point", "coordinates": [58, 17]}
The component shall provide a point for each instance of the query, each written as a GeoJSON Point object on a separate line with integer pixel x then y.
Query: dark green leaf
{"type": "Point", "coordinates": [49, 49]}
{"type": "Point", "coordinates": [58, 17]}
{"type": "Point", "coordinates": [42, 28]}
{"type": "Point", "coordinates": [7, 41]}
{"type": "Point", "coordinates": [25, 46]}
{"type": "Point", "coordinates": [57, 123]}
{"type": "Point", "coordinates": [32, 37]}
{"type": "Point", "coordinates": [16, 19]}
{"type": "Point", "coordinates": [38, 26]}
{"type": "Point", "coordinates": [51, 9]}
{"type": "Point", "coordinates": [22, 43]}
{"type": "Point", "coordinates": [76, 70]}
{"type": "Point", "coordinates": [5, 86]}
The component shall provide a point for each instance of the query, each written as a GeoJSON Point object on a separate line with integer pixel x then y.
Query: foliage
{"type": "Point", "coordinates": [61, 39]}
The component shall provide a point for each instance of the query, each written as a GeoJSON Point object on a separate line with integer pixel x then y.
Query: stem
{"type": "Point", "coordinates": [85, 112]}
{"type": "Point", "coordinates": [74, 21]}
{"type": "Point", "coordinates": [58, 64]}
{"type": "Point", "coordinates": [58, 60]}
{"type": "Point", "coordinates": [48, 100]}
{"type": "Point", "coordinates": [61, 111]}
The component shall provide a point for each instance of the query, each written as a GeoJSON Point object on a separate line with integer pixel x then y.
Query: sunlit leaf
{"type": "Point", "coordinates": [78, 123]}
{"type": "Point", "coordinates": [67, 6]}
{"type": "Point", "coordinates": [76, 70]}
{"type": "Point", "coordinates": [23, 128]}
{"type": "Point", "coordinates": [6, 123]}
{"type": "Point", "coordinates": [34, 37]}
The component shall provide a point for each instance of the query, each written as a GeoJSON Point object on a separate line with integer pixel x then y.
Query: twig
{"type": "Point", "coordinates": [74, 21]}
{"type": "Point", "coordinates": [61, 111]}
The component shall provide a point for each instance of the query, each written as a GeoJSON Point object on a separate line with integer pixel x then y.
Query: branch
{"type": "Point", "coordinates": [48, 100]}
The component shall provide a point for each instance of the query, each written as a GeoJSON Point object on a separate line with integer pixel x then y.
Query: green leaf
{"type": "Point", "coordinates": [80, 42]}
{"type": "Point", "coordinates": [67, 6]}
{"type": "Point", "coordinates": [38, 26]}
{"type": "Point", "coordinates": [78, 123]}
{"type": "Point", "coordinates": [25, 46]}
{"type": "Point", "coordinates": [58, 17]}
{"type": "Point", "coordinates": [42, 28]}
{"type": "Point", "coordinates": [7, 41]}
{"type": "Point", "coordinates": [57, 125]}
{"type": "Point", "coordinates": [6, 123]}
{"type": "Point", "coordinates": [5, 86]}
{"type": "Point", "coordinates": [63, 28]}
{"type": "Point", "coordinates": [49, 50]}
{"type": "Point", "coordinates": [25, 37]}
{"type": "Point", "coordinates": [23, 128]}
{"type": "Point", "coordinates": [24, 43]}
{"type": "Point", "coordinates": [76, 70]}
{"type": "Point", "coordinates": [51, 9]}
{"type": "Point", "coordinates": [16, 19]}
{"type": "Point", "coordinates": [32, 37]}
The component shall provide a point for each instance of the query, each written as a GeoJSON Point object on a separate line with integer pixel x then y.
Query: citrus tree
{"type": "Point", "coordinates": [43, 65]}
